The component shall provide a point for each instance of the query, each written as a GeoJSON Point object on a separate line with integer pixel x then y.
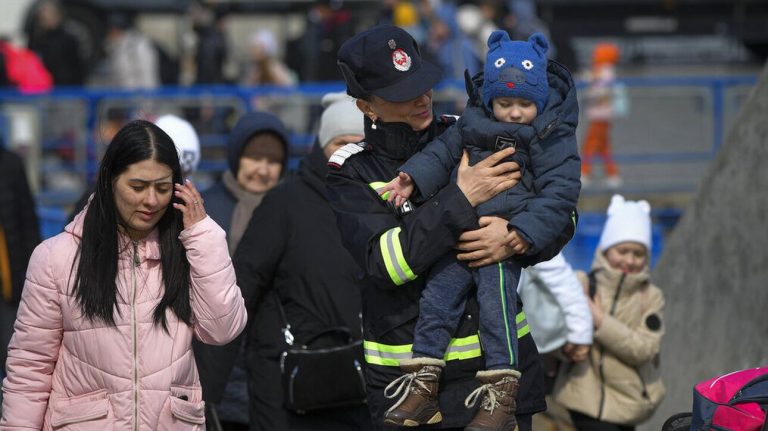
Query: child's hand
{"type": "Point", "coordinates": [398, 190]}
{"type": "Point", "coordinates": [576, 352]}
{"type": "Point", "coordinates": [516, 241]}
{"type": "Point", "coordinates": [596, 307]}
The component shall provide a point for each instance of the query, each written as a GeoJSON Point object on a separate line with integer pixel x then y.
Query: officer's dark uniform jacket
{"type": "Point", "coordinates": [395, 249]}
{"type": "Point", "coordinates": [541, 207]}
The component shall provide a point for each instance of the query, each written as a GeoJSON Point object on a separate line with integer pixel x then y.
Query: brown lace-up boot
{"type": "Point", "coordinates": [417, 389]}
{"type": "Point", "coordinates": [498, 406]}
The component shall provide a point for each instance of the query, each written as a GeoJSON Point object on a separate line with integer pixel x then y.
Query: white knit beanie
{"type": "Point", "coordinates": [627, 221]}
{"type": "Point", "coordinates": [266, 39]}
{"type": "Point", "coordinates": [185, 138]}
{"type": "Point", "coordinates": [340, 117]}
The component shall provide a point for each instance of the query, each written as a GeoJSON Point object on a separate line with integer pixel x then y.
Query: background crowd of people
{"type": "Point", "coordinates": [451, 33]}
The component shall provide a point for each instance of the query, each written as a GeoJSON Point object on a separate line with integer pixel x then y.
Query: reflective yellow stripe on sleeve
{"type": "Point", "coordinates": [458, 349]}
{"type": "Point", "coordinates": [394, 260]}
{"type": "Point", "coordinates": [377, 186]}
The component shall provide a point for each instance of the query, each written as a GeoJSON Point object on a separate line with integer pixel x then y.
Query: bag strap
{"type": "Point", "coordinates": [341, 330]}
{"type": "Point", "coordinates": [286, 330]}
{"type": "Point", "coordinates": [592, 286]}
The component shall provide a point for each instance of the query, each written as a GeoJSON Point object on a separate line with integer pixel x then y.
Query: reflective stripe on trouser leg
{"type": "Point", "coordinates": [458, 349]}
{"type": "Point", "coordinates": [391, 355]}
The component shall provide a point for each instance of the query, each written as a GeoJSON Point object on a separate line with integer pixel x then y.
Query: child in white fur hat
{"type": "Point", "coordinates": [619, 385]}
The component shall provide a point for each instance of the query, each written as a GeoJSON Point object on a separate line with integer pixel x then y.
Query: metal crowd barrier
{"type": "Point", "coordinates": [674, 128]}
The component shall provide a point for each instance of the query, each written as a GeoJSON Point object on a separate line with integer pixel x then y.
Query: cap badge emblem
{"type": "Point", "coordinates": [401, 60]}
{"type": "Point", "coordinates": [392, 44]}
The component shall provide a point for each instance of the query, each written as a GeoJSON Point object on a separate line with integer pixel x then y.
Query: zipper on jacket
{"type": "Point", "coordinates": [136, 263]}
{"type": "Point", "coordinates": [602, 352]}
{"type": "Point", "coordinates": [616, 295]}
{"type": "Point", "coordinates": [613, 310]}
{"type": "Point", "coordinates": [548, 129]}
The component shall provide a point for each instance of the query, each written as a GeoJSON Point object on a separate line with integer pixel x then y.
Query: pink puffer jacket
{"type": "Point", "coordinates": [69, 373]}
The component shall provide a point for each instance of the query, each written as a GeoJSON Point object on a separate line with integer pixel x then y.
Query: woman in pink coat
{"type": "Point", "coordinates": [103, 336]}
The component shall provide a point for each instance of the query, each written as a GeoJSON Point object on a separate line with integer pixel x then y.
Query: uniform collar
{"type": "Point", "coordinates": [397, 141]}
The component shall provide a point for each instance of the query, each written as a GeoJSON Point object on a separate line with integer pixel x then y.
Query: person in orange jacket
{"type": "Point", "coordinates": [600, 114]}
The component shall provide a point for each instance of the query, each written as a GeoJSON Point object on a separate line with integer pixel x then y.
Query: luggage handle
{"type": "Point", "coordinates": [760, 399]}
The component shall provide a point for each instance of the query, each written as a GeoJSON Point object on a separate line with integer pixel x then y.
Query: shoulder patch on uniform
{"type": "Point", "coordinates": [449, 119]}
{"type": "Point", "coordinates": [342, 154]}
{"type": "Point", "coordinates": [653, 322]}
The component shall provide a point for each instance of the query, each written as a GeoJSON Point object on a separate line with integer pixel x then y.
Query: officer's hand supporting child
{"type": "Point", "coordinates": [488, 177]}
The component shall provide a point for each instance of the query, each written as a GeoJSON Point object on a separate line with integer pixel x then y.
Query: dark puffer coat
{"type": "Point", "coordinates": [291, 252]}
{"type": "Point", "coordinates": [19, 225]}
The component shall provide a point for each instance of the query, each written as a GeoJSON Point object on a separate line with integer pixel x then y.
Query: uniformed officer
{"type": "Point", "coordinates": [395, 247]}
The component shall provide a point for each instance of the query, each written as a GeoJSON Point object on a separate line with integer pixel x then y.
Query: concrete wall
{"type": "Point", "coordinates": [714, 268]}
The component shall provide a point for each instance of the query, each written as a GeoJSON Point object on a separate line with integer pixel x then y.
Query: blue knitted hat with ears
{"type": "Point", "coordinates": [516, 69]}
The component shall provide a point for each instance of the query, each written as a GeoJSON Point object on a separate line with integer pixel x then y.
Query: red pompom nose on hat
{"type": "Point", "coordinates": [510, 85]}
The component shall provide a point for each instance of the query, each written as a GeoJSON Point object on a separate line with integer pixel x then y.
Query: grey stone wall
{"type": "Point", "coordinates": [714, 268]}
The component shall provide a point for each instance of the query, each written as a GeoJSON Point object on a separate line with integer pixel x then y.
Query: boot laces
{"type": "Point", "coordinates": [489, 394]}
{"type": "Point", "coordinates": [404, 385]}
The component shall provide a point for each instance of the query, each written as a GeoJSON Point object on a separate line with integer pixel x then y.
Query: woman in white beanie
{"type": "Point", "coordinates": [186, 140]}
{"type": "Point", "coordinates": [619, 386]}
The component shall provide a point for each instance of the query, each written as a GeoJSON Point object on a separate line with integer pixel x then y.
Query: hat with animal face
{"type": "Point", "coordinates": [516, 69]}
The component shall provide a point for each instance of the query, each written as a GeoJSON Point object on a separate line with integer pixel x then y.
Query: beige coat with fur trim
{"type": "Point", "coordinates": [620, 381]}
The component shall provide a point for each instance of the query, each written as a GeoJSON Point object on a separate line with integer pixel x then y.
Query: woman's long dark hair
{"type": "Point", "coordinates": [95, 285]}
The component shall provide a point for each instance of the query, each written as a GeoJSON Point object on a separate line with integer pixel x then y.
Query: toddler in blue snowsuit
{"type": "Point", "coordinates": [531, 105]}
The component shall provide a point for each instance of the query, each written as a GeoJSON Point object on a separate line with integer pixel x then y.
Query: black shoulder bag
{"type": "Point", "coordinates": [324, 372]}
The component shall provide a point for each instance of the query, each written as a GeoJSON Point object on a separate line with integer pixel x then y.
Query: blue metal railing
{"type": "Point", "coordinates": [716, 85]}
{"type": "Point", "coordinates": [241, 99]}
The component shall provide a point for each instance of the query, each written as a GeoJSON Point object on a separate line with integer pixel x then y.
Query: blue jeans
{"type": "Point", "coordinates": [442, 305]}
